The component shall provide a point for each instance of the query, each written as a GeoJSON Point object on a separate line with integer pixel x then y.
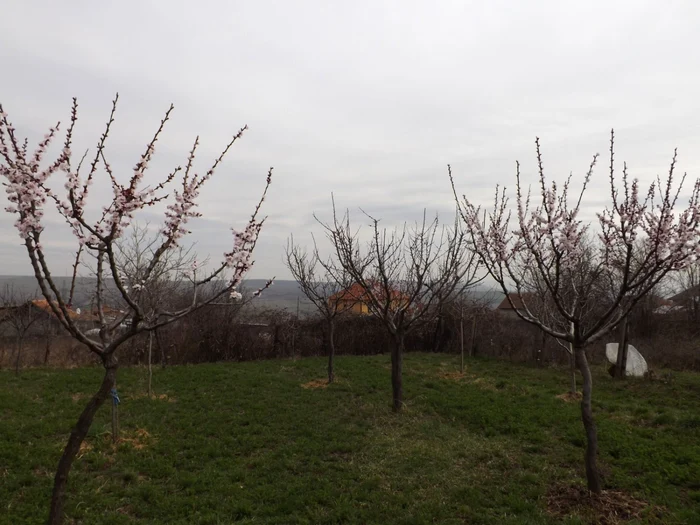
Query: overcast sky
{"type": "Point", "coordinates": [366, 99]}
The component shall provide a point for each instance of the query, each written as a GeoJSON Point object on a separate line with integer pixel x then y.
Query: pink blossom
{"type": "Point", "coordinates": [26, 179]}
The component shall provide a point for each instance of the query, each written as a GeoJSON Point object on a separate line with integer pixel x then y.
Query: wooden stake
{"type": "Point", "coordinates": [150, 367]}
{"type": "Point", "coordinates": [115, 414]}
{"type": "Point", "coordinates": [461, 338]}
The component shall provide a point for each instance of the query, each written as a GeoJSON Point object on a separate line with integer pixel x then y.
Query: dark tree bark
{"type": "Point", "coordinates": [621, 364]}
{"type": "Point", "coordinates": [592, 473]}
{"type": "Point", "coordinates": [438, 333]}
{"type": "Point", "coordinates": [47, 352]}
{"type": "Point", "coordinates": [397, 371]}
{"type": "Point", "coordinates": [77, 436]}
{"type": "Point", "coordinates": [331, 349]}
{"type": "Point", "coordinates": [277, 340]}
{"type": "Point", "coordinates": [161, 348]}
{"type": "Point", "coordinates": [539, 349]}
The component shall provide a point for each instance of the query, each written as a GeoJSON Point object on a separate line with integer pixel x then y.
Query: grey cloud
{"type": "Point", "coordinates": [368, 100]}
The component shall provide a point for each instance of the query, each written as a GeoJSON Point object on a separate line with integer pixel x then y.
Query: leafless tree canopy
{"type": "Point", "coordinates": [405, 273]}
{"type": "Point", "coordinates": [168, 279]}
{"type": "Point", "coordinates": [320, 279]}
{"type": "Point", "coordinates": [323, 282]}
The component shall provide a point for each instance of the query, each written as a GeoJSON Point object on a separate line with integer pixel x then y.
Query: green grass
{"type": "Point", "coordinates": [244, 443]}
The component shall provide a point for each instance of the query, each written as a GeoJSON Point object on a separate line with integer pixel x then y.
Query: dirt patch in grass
{"type": "Point", "coordinates": [316, 383]}
{"type": "Point", "coordinates": [158, 397]}
{"type": "Point", "coordinates": [611, 507]}
{"type": "Point", "coordinates": [451, 376]}
{"type": "Point", "coordinates": [568, 397]}
{"type": "Point", "coordinates": [484, 384]}
{"type": "Point", "coordinates": [85, 447]}
{"type": "Point", "coordinates": [166, 397]}
{"type": "Point", "coordinates": [481, 382]}
{"type": "Point", "coordinates": [137, 439]}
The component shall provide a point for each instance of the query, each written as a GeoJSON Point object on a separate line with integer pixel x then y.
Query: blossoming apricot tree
{"type": "Point", "coordinates": [640, 239]}
{"type": "Point", "coordinates": [26, 177]}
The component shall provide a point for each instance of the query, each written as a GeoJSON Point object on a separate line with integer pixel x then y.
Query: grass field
{"type": "Point", "coordinates": [246, 443]}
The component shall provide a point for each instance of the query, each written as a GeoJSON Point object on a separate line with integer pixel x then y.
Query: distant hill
{"type": "Point", "coordinates": [282, 294]}
{"type": "Point", "coordinates": [26, 287]}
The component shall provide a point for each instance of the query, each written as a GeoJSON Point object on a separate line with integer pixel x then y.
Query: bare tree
{"type": "Point", "coordinates": [546, 239]}
{"type": "Point", "coordinates": [404, 274]}
{"type": "Point", "coordinates": [174, 271]}
{"type": "Point", "coordinates": [20, 314]}
{"type": "Point", "coordinates": [323, 282]}
{"type": "Point", "coordinates": [28, 191]}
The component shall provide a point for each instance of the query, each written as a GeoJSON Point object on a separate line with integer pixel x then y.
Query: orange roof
{"type": "Point", "coordinates": [43, 304]}
{"type": "Point", "coordinates": [357, 293]}
{"type": "Point", "coordinates": [354, 293]}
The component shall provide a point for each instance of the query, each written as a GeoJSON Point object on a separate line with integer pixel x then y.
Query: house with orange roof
{"type": "Point", "coordinates": [355, 299]}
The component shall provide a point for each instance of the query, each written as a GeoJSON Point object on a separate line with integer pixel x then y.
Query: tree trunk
{"type": "Point", "coordinates": [539, 349]}
{"type": "Point", "coordinates": [47, 352]}
{"type": "Point", "coordinates": [115, 414]}
{"type": "Point", "coordinates": [161, 349]}
{"type": "Point", "coordinates": [150, 367]}
{"type": "Point", "coordinates": [625, 352]}
{"type": "Point", "coordinates": [276, 342]}
{"type": "Point", "coordinates": [331, 350]}
{"type": "Point", "coordinates": [396, 372]}
{"type": "Point", "coordinates": [76, 438]}
{"type": "Point", "coordinates": [572, 370]}
{"type": "Point", "coordinates": [621, 364]}
{"type": "Point", "coordinates": [592, 473]}
{"type": "Point", "coordinates": [20, 340]}
{"type": "Point", "coordinates": [438, 333]}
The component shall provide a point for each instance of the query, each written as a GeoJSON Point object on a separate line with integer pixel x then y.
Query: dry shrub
{"type": "Point", "coordinates": [226, 334]}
